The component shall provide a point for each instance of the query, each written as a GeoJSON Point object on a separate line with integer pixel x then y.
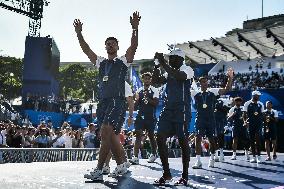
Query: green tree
{"type": "Point", "coordinates": [77, 82]}
{"type": "Point", "coordinates": [11, 76]}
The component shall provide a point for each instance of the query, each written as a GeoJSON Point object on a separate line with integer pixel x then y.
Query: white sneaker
{"type": "Point", "coordinates": [127, 164]}
{"type": "Point", "coordinates": [234, 157]}
{"type": "Point", "coordinates": [253, 160]}
{"type": "Point", "coordinates": [119, 170]}
{"type": "Point", "coordinates": [152, 158]}
{"type": "Point", "coordinates": [197, 165]}
{"type": "Point", "coordinates": [95, 175]}
{"type": "Point", "coordinates": [221, 157]}
{"type": "Point", "coordinates": [106, 170]}
{"type": "Point", "coordinates": [134, 161]}
{"type": "Point", "coordinates": [211, 163]}
{"type": "Point", "coordinates": [258, 159]}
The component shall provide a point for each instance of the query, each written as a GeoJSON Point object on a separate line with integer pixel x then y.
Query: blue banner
{"type": "Point", "coordinates": [136, 82]}
{"type": "Point", "coordinates": [36, 117]}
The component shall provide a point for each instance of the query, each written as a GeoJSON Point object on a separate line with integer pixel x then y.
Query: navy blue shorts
{"type": "Point", "coordinates": [142, 123]}
{"type": "Point", "coordinates": [240, 132]}
{"type": "Point", "coordinates": [205, 127]}
{"type": "Point", "coordinates": [171, 122]}
{"type": "Point", "coordinates": [253, 130]}
{"type": "Point", "coordinates": [270, 132]}
{"type": "Point", "coordinates": [111, 111]}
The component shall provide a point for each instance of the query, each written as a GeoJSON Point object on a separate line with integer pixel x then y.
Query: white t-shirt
{"type": "Point", "coordinates": [89, 139]}
{"type": "Point", "coordinates": [3, 137]}
{"type": "Point", "coordinates": [59, 142]}
{"type": "Point", "coordinates": [67, 141]}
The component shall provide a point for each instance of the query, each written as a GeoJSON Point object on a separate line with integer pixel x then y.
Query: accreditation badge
{"type": "Point", "coordinates": [255, 113]}
{"type": "Point", "coordinates": [204, 106]}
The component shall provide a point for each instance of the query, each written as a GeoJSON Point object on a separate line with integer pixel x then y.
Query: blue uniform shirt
{"type": "Point", "coordinates": [146, 109]}
{"type": "Point", "coordinates": [115, 71]}
{"type": "Point", "coordinates": [254, 112]}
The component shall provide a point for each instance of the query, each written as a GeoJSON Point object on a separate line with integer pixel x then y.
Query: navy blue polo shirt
{"type": "Point", "coordinates": [272, 113]}
{"type": "Point", "coordinates": [115, 71]}
{"type": "Point", "coordinates": [237, 119]}
{"type": "Point", "coordinates": [205, 103]}
{"type": "Point", "coordinates": [178, 92]}
{"type": "Point", "coordinates": [254, 112]}
{"type": "Point", "coordinates": [147, 109]}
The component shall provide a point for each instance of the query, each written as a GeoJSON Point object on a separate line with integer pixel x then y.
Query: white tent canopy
{"type": "Point", "coordinates": [237, 46]}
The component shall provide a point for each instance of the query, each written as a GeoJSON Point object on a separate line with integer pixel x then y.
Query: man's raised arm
{"type": "Point", "coordinates": [228, 87]}
{"type": "Point", "coordinates": [85, 47]}
{"type": "Point", "coordinates": [134, 20]}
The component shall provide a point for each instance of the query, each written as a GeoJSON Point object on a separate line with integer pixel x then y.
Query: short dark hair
{"type": "Point", "coordinates": [238, 99]}
{"type": "Point", "coordinates": [111, 38]}
{"type": "Point", "coordinates": [146, 74]}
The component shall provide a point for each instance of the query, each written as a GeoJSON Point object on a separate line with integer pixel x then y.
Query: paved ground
{"type": "Point", "coordinates": [69, 175]}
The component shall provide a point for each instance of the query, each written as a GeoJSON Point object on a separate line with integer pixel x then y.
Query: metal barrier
{"type": "Point", "coordinates": [28, 155]}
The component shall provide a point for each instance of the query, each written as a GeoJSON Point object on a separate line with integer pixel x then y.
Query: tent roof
{"type": "Point", "coordinates": [237, 45]}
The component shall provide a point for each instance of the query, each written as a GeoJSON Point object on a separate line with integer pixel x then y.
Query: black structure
{"type": "Point", "coordinates": [41, 67]}
{"type": "Point", "coordinates": [31, 8]}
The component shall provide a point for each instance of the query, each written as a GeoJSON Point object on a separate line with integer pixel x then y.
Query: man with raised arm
{"type": "Point", "coordinates": [175, 116]}
{"type": "Point", "coordinates": [205, 99]}
{"type": "Point", "coordinates": [112, 74]}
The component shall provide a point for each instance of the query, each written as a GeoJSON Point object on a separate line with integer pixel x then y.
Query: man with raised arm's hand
{"type": "Point", "coordinates": [112, 74]}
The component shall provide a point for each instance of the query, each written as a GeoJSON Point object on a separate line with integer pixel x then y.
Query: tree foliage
{"type": "Point", "coordinates": [77, 82]}
{"type": "Point", "coordinates": [11, 70]}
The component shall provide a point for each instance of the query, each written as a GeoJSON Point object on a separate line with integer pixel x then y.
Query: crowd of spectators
{"type": "Point", "coordinates": [250, 81]}
{"type": "Point", "coordinates": [51, 104]}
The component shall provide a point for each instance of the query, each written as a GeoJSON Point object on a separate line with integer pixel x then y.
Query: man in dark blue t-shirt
{"type": "Point", "coordinates": [176, 112]}
{"type": "Point", "coordinates": [270, 120]}
{"type": "Point", "coordinates": [111, 106]}
{"type": "Point", "coordinates": [146, 100]}
{"type": "Point", "coordinates": [205, 99]}
{"type": "Point", "coordinates": [240, 133]}
{"type": "Point", "coordinates": [253, 116]}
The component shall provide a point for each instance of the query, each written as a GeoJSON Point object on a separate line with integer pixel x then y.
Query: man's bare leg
{"type": "Point", "coordinates": [106, 143]}
{"type": "Point", "coordinates": [198, 164]}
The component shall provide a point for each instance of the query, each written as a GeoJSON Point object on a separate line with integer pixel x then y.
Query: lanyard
{"type": "Point", "coordinates": [108, 67]}
{"type": "Point", "coordinates": [204, 99]}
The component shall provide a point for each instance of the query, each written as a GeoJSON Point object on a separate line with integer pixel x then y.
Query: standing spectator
{"type": "Point", "coordinates": [3, 133]}
{"type": "Point", "coordinates": [89, 136]}
{"type": "Point", "coordinates": [43, 139]}
{"type": "Point", "coordinates": [77, 141]}
{"type": "Point", "coordinates": [68, 137]}
{"type": "Point", "coordinates": [58, 140]}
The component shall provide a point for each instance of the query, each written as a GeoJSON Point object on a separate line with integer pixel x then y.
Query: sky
{"type": "Point", "coordinates": [163, 22]}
